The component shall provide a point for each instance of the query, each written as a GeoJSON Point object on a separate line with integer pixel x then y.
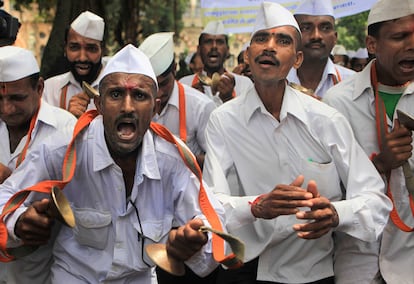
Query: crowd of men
{"type": "Point", "coordinates": [304, 158]}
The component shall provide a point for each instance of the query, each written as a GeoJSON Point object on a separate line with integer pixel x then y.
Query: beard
{"type": "Point", "coordinates": [93, 71]}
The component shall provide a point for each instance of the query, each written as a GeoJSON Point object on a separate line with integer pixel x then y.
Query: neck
{"type": "Point", "coordinates": [128, 164]}
{"type": "Point", "coordinates": [16, 133]}
{"type": "Point", "coordinates": [310, 73]}
{"type": "Point", "coordinates": [272, 96]}
{"type": "Point", "coordinates": [210, 72]}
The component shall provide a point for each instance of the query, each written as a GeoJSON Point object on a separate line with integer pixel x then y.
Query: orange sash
{"type": "Point", "coordinates": [382, 130]}
{"type": "Point", "coordinates": [68, 170]}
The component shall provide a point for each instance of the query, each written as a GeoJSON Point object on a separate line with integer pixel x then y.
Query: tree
{"type": "Point", "coordinates": [352, 30]}
{"type": "Point", "coordinates": [126, 21]}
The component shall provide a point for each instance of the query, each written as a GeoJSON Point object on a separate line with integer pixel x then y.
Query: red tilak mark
{"type": "Point", "coordinates": [3, 89]}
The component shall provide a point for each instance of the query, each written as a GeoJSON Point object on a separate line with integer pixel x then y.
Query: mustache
{"type": "Point", "coordinates": [121, 117]}
{"type": "Point", "coordinates": [90, 63]}
{"type": "Point", "coordinates": [318, 41]}
{"type": "Point", "coordinates": [268, 55]}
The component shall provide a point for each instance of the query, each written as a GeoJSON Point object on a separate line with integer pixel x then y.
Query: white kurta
{"type": "Point", "coordinates": [355, 99]}
{"type": "Point", "coordinates": [197, 110]}
{"type": "Point", "coordinates": [34, 268]}
{"type": "Point", "coordinates": [326, 81]}
{"type": "Point", "coordinates": [311, 139]}
{"type": "Point", "coordinates": [243, 84]}
{"type": "Point", "coordinates": [54, 86]}
{"type": "Point", "coordinates": [107, 244]}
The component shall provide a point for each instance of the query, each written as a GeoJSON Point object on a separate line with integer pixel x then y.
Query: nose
{"type": "Point", "coordinates": [315, 33]}
{"type": "Point", "coordinates": [83, 55]}
{"type": "Point", "coordinates": [6, 107]}
{"type": "Point", "coordinates": [127, 105]}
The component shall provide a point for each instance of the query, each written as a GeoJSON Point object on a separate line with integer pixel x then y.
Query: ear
{"type": "Point", "coordinates": [246, 55]}
{"type": "Point", "coordinates": [371, 44]}
{"type": "Point", "coordinates": [298, 60]}
{"type": "Point", "coordinates": [97, 100]}
{"type": "Point", "coordinates": [40, 86]}
{"type": "Point", "coordinates": [157, 106]}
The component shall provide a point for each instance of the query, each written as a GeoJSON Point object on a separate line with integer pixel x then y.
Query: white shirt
{"type": "Point", "coordinates": [34, 268]}
{"type": "Point", "coordinates": [355, 99]}
{"type": "Point", "coordinates": [311, 139]}
{"type": "Point", "coordinates": [326, 81]}
{"type": "Point", "coordinates": [242, 85]}
{"type": "Point", "coordinates": [106, 243]}
{"type": "Point", "coordinates": [49, 120]}
{"type": "Point", "coordinates": [197, 111]}
{"type": "Point", "coordinates": [54, 86]}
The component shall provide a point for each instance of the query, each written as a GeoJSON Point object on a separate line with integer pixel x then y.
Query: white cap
{"type": "Point", "coordinates": [272, 15]}
{"type": "Point", "coordinates": [89, 25]}
{"type": "Point", "coordinates": [16, 63]}
{"type": "Point", "coordinates": [339, 50]}
{"type": "Point", "coordinates": [386, 10]}
{"type": "Point", "coordinates": [315, 8]}
{"type": "Point", "coordinates": [214, 28]}
{"type": "Point", "coordinates": [129, 60]}
{"type": "Point", "coordinates": [351, 53]}
{"type": "Point", "coordinates": [361, 53]}
{"type": "Point", "coordinates": [159, 48]}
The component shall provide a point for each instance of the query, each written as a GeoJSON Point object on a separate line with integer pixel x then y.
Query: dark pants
{"type": "Point", "coordinates": [190, 277]}
{"type": "Point", "coordinates": [247, 275]}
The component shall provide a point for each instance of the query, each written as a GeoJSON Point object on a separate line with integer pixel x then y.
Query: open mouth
{"type": "Point", "coordinates": [126, 130]}
{"type": "Point", "coordinates": [83, 68]}
{"type": "Point", "coordinates": [407, 65]}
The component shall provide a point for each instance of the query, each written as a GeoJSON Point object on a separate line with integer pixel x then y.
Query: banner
{"type": "Point", "coordinates": [239, 16]}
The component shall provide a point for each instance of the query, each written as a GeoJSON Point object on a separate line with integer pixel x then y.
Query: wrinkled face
{"type": "Point", "coordinates": [165, 87]}
{"type": "Point", "coordinates": [213, 50]}
{"type": "Point", "coordinates": [84, 56]}
{"type": "Point", "coordinates": [272, 53]}
{"type": "Point", "coordinates": [318, 36]}
{"type": "Point", "coordinates": [394, 51]}
{"type": "Point", "coordinates": [19, 101]}
{"type": "Point", "coordinates": [126, 103]}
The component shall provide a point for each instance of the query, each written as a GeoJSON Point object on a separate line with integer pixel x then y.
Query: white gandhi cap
{"type": "Point", "coordinates": [214, 28]}
{"type": "Point", "coordinates": [272, 15]}
{"type": "Point", "coordinates": [159, 48]}
{"type": "Point", "coordinates": [89, 25]}
{"type": "Point", "coordinates": [315, 8]}
{"type": "Point", "coordinates": [129, 60]}
{"type": "Point", "coordinates": [16, 63]}
{"type": "Point", "coordinates": [386, 10]}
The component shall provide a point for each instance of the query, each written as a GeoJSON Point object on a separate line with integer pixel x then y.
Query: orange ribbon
{"type": "Point", "coordinates": [382, 130]}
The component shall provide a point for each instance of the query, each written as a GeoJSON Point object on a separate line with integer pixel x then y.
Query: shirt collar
{"type": "Point", "coordinates": [291, 100]}
{"type": "Point", "coordinates": [147, 160]}
{"type": "Point", "coordinates": [46, 115]}
{"type": "Point", "coordinates": [68, 78]}
{"type": "Point", "coordinates": [363, 81]}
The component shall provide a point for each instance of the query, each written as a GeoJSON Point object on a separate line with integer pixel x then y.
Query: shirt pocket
{"type": "Point", "coordinates": [92, 227]}
{"type": "Point", "coordinates": [325, 175]}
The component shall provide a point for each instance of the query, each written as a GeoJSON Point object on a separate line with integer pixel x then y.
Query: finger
{"type": "Point", "coordinates": [41, 206]}
{"type": "Point", "coordinates": [312, 188]}
{"type": "Point", "coordinates": [298, 181]}
{"type": "Point", "coordinates": [313, 234]}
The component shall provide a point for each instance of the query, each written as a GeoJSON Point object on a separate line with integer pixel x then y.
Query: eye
{"type": "Point", "coordinates": [74, 47]}
{"type": "Point", "coordinates": [305, 28]}
{"type": "Point", "coordinates": [326, 27]}
{"type": "Point", "coordinates": [260, 38]}
{"type": "Point", "coordinates": [285, 41]}
{"type": "Point", "coordinates": [140, 96]}
{"type": "Point", "coordinates": [92, 48]}
{"type": "Point", "coordinates": [115, 94]}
